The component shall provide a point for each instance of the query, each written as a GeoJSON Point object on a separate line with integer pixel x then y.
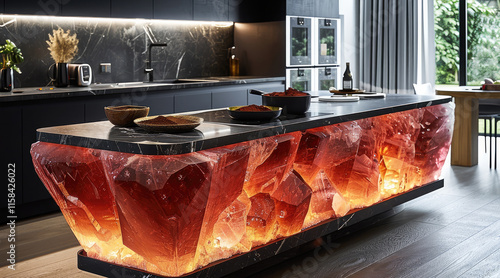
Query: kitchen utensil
{"type": "Point", "coordinates": [291, 104]}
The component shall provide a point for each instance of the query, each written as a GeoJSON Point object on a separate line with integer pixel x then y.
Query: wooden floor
{"type": "Point", "coordinates": [452, 232]}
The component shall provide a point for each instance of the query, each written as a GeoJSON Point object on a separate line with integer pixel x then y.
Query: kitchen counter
{"type": "Point", "coordinates": [177, 204]}
{"type": "Point", "coordinates": [38, 93]}
{"type": "Point", "coordinates": [219, 129]}
{"type": "Point", "coordinates": [23, 113]}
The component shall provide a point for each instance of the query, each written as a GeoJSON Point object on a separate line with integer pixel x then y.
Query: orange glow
{"type": "Point", "coordinates": [171, 215]}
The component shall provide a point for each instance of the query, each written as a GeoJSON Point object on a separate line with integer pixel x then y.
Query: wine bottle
{"type": "Point", "coordinates": [234, 63]}
{"type": "Point", "coordinates": [347, 80]}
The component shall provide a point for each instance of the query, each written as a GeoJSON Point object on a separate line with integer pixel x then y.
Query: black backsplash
{"type": "Point", "coordinates": [194, 49]}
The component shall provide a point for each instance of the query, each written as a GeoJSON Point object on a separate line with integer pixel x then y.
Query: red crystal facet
{"type": "Point", "coordinates": [170, 215]}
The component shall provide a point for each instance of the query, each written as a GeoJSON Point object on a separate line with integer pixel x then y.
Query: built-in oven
{"type": "Point", "coordinates": [326, 41]}
{"type": "Point", "coordinates": [299, 51]}
{"type": "Point", "coordinates": [313, 53]}
{"type": "Point", "coordinates": [326, 77]}
{"type": "Point", "coordinates": [313, 79]}
{"type": "Point", "coordinates": [300, 78]}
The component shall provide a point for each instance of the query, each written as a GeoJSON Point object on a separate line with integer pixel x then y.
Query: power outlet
{"type": "Point", "coordinates": [105, 67]}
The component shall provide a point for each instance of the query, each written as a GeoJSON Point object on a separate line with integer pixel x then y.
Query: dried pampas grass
{"type": "Point", "coordinates": [62, 46]}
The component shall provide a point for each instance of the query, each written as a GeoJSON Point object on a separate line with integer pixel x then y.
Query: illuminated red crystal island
{"type": "Point", "coordinates": [172, 214]}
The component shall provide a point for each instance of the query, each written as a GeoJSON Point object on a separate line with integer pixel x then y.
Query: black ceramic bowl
{"type": "Point", "coordinates": [254, 115]}
{"type": "Point", "coordinates": [297, 105]}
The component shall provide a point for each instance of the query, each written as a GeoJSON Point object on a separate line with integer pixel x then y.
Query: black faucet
{"type": "Point", "coordinates": [149, 68]}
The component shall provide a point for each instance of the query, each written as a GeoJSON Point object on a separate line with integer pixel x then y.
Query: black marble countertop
{"type": "Point", "coordinates": [219, 129]}
{"type": "Point", "coordinates": [38, 93]}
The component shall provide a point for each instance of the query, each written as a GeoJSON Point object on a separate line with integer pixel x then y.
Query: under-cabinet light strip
{"type": "Point", "coordinates": [7, 19]}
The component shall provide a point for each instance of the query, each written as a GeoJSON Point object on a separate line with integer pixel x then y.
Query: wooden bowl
{"type": "Point", "coordinates": [125, 115]}
{"type": "Point", "coordinates": [188, 123]}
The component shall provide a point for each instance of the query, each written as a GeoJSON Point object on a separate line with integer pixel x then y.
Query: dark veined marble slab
{"type": "Point", "coordinates": [219, 129]}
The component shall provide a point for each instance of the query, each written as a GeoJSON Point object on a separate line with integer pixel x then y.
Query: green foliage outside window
{"type": "Point", "coordinates": [483, 41]}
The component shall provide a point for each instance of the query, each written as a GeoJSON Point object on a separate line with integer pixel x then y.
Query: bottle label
{"type": "Point", "coordinates": [347, 85]}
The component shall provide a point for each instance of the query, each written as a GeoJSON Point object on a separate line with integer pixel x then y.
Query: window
{"type": "Point", "coordinates": [483, 41]}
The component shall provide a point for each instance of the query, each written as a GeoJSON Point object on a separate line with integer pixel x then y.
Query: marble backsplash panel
{"type": "Point", "coordinates": [195, 49]}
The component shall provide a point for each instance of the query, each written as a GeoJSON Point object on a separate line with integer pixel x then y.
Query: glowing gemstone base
{"type": "Point", "coordinates": [172, 214]}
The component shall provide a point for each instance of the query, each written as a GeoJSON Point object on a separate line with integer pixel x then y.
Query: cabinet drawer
{"type": "Point", "coordinates": [184, 102]}
{"type": "Point", "coordinates": [230, 97]}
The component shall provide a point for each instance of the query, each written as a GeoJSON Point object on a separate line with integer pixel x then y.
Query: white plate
{"type": "Point", "coordinates": [339, 98]}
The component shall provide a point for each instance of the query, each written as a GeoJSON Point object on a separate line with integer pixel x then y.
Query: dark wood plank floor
{"type": "Point", "coordinates": [452, 232]}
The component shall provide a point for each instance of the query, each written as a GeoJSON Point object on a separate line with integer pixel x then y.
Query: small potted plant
{"type": "Point", "coordinates": [11, 56]}
{"type": "Point", "coordinates": [63, 48]}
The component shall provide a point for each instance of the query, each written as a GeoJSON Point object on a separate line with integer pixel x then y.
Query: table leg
{"type": "Point", "coordinates": [495, 154]}
{"type": "Point", "coordinates": [491, 142]}
{"type": "Point", "coordinates": [464, 146]}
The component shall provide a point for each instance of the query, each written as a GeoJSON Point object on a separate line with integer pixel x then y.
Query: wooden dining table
{"type": "Point", "coordinates": [464, 146]}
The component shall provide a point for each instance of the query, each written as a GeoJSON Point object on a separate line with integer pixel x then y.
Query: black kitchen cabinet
{"type": "Point", "coordinates": [191, 100]}
{"type": "Point", "coordinates": [327, 8]}
{"type": "Point", "coordinates": [37, 115]}
{"type": "Point", "coordinates": [301, 7]}
{"type": "Point", "coordinates": [233, 96]}
{"type": "Point", "coordinates": [132, 8]}
{"type": "Point", "coordinates": [32, 7]}
{"type": "Point", "coordinates": [173, 9]}
{"type": "Point", "coordinates": [248, 11]}
{"type": "Point", "coordinates": [94, 108]}
{"type": "Point", "coordinates": [158, 102]}
{"type": "Point", "coordinates": [93, 8]}
{"type": "Point", "coordinates": [216, 10]}
{"type": "Point", "coordinates": [11, 158]}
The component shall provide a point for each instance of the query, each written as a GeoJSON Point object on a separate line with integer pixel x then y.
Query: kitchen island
{"type": "Point", "coordinates": [170, 204]}
{"type": "Point", "coordinates": [25, 110]}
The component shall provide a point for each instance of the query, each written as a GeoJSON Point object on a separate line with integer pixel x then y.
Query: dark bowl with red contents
{"type": "Point", "coordinates": [292, 101]}
{"type": "Point", "coordinates": [254, 112]}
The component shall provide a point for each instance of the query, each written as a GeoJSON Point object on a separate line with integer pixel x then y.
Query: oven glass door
{"type": "Point", "coordinates": [299, 42]}
{"type": "Point", "coordinates": [327, 77]}
{"type": "Point", "coordinates": [300, 79]}
{"type": "Point", "coordinates": [327, 33]}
